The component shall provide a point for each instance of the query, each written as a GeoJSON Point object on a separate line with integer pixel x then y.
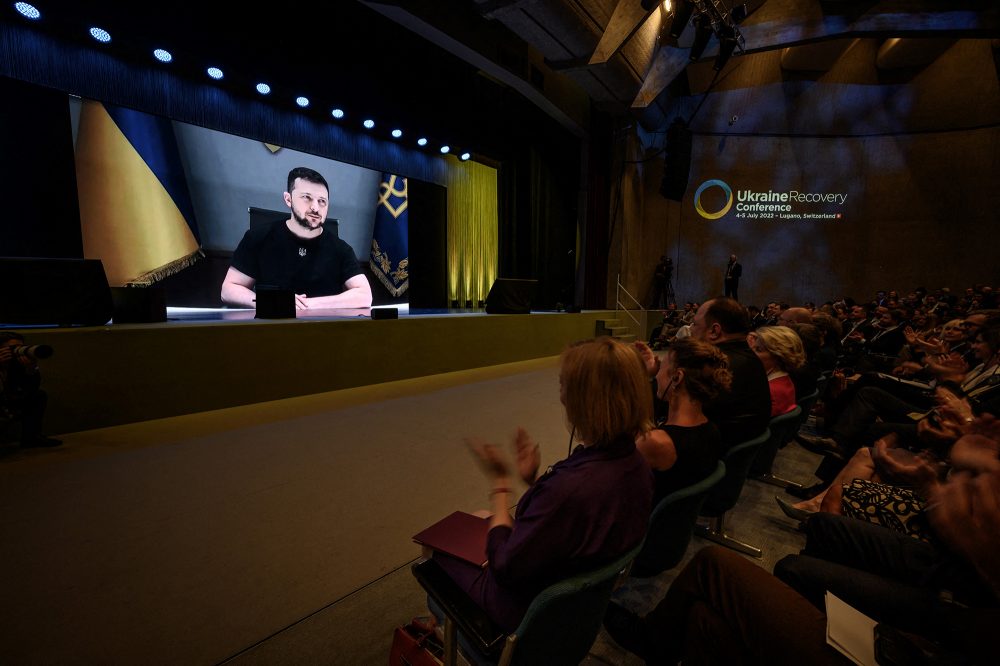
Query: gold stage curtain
{"type": "Point", "coordinates": [472, 230]}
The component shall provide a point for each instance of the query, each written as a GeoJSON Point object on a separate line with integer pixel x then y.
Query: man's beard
{"type": "Point", "coordinates": [304, 221]}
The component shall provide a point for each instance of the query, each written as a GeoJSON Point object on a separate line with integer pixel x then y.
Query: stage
{"type": "Point", "coordinates": [206, 359]}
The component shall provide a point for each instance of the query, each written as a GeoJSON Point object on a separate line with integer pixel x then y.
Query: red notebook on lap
{"type": "Point", "coordinates": [460, 535]}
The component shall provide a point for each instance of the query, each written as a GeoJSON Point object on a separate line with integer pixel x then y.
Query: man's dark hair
{"type": "Point", "coordinates": [729, 315]}
{"type": "Point", "coordinates": [811, 336]}
{"type": "Point", "coordinates": [305, 173]}
{"type": "Point", "coordinates": [10, 335]}
{"type": "Point", "coordinates": [828, 326]}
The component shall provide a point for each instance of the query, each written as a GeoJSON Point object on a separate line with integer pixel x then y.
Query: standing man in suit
{"type": "Point", "coordinates": [733, 272]}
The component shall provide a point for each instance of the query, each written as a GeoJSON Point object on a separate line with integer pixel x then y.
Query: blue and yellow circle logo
{"type": "Point", "coordinates": [725, 209]}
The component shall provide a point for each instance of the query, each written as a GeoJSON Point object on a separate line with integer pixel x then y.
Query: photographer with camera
{"type": "Point", "coordinates": [21, 397]}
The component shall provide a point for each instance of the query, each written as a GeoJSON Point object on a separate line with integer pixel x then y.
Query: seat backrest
{"type": "Point", "coordinates": [562, 622]}
{"type": "Point", "coordinates": [807, 403]}
{"type": "Point", "coordinates": [783, 427]}
{"type": "Point", "coordinates": [671, 525]}
{"type": "Point", "coordinates": [738, 459]}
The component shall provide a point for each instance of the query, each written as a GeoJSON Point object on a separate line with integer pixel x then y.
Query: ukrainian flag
{"type": "Point", "coordinates": [135, 209]}
{"type": "Point", "coordinates": [390, 256]}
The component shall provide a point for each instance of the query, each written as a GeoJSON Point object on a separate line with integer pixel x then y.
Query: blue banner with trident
{"type": "Point", "coordinates": [390, 257]}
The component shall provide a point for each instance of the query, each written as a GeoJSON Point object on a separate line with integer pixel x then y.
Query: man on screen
{"type": "Point", "coordinates": [295, 254]}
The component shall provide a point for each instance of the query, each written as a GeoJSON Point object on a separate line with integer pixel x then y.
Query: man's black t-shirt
{"type": "Point", "coordinates": [275, 257]}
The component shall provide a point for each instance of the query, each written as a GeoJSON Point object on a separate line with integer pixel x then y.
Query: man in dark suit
{"type": "Point", "coordinates": [743, 412]}
{"type": "Point", "coordinates": [733, 272]}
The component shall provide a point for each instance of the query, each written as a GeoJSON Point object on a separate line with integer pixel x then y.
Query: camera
{"type": "Point", "coordinates": [32, 352]}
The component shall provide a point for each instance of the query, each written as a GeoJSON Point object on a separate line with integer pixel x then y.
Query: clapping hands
{"type": "Point", "coordinates": [497, 466]}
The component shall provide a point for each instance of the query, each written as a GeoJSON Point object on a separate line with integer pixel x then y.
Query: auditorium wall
{"type": "Point", "coordinates": [907, 160]}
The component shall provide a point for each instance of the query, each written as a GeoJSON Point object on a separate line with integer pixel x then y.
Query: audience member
{"type": "Point", "coordinates": [686, 448]}
{"type": "Point", "coordinates": [584, 511]}
{"type": "Point", "coordinates": [872, 403]}
{"type": "Point", "coordinates": [743, 412]}
{"type": "Point", "coordinates": [723, 609]}
{"type": "Point", "coordinates": [779, 349]}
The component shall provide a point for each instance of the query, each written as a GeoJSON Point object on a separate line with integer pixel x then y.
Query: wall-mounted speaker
{"type": "Point", "coordinates": [54, 292]}
{"type": "Point", "coordinates": [385, 313]}
{"type": "Point", "coordinates": [510, 296]}
{"type": "Point", "coordinates": [139, 305]}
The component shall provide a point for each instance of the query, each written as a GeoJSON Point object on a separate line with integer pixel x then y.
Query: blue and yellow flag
{"type": "Point", "coordinates": [135, 209]}
{"type": "Point", "coordinates": [390, 258]}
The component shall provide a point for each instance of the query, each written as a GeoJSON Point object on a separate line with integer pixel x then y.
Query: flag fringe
{"type": "Point", "coordinates": [396, 292]}
{"type": "Point", "coordinates": [150, 278]}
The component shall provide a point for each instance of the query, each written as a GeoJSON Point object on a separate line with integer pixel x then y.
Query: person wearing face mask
{"type": "Point", "coordinates": [686, 447]}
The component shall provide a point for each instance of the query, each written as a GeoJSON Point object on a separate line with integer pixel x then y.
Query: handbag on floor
{"type": "Point", "coordinates": [416, 644]}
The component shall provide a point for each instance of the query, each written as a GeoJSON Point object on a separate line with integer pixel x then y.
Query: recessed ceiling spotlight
{"type": "Point", "coordinates": [465, 156]}
{"type": "Point", "coordinates": [337, 113]}
{"type": "Point", "coordinates": [396, 133]}
{"type": "Point", "coordinates": [214, 72]}
{"type": "Point", "coordinates": [100, 34]}
{"type": "Point", "coordinates": [302, 101]}
{"type": "Point", "coordinates": [445, 150]}
{"type": "Point", "coordinates": [28, 11]}
{"type": "Point", "coordinates": [422, 141]}
{"type": "Point", "coordinates": [162, 55]}
{"type": "Point", "coordinates": [263, 89]}
{"type": "Point", "coordinates": [368, 123]}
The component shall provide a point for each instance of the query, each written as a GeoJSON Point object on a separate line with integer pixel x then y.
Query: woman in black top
{"type": "Point", "coordinates": [687, 446]}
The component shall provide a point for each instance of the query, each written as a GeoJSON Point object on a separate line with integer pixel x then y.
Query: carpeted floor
{"type": "Point", "coordinates": [276, 533]}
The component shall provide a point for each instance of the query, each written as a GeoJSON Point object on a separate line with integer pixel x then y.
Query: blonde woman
{"type": "Point", "coordinates": [780, 350]}
{"type": "Point", "coordinates": [584, 511]}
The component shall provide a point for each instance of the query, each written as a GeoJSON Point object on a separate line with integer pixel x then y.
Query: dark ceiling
{"type": "Point", "coordinates": [483, 73]}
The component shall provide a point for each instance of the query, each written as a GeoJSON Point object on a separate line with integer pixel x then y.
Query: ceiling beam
{"type": "Point", "coordinates": [778, 34]}
{"type": "Point", "coordinates": [628, 16]}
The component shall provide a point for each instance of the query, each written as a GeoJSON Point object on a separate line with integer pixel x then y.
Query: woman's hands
{"type": "Point", "coordinates": [650, 360]}
{"type": "Point", "coordinates": [528, 456]}
{"type": "Point", "coordinates": [497, 467]}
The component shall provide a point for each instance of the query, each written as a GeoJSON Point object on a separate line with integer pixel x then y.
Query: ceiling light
{"type": "Point", "coordinates": [100, 34]}
{"type": "Point", "coordinates": [445, 150]}
{"type": "Point", "coordinates": [465, 156]}
{"type": "Point", "coordinates": [302, 101]}
{"type": "Point", "coordinates": [337, 113]}
{"type": "Point", "coordinates": [396, 133]}
{"type": "Point", "coordinates": [263, 89]}
{"type": "Point", "coordinates": [162, 55]}
{"type": "Point", "coordinates": [215, 73]}
{"type": "Point", "coordinates": [28, 11]}
{"type": "Point", "coordinates": [368, 123]}
{"type": "Point", "coordinates": [422, 141]}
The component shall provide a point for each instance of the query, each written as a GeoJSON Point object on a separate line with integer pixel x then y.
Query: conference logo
{"type": "Point", "coordinates": [728, 191]}
{"type": "Point", "coordinates": [767, 205]}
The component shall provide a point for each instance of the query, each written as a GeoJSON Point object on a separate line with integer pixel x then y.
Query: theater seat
{"type": "Point", "coordinates": [671, 526]}
{"type": "Point", "coordinates": [783, 427]}
{"type": "Point", "coordinates": [723, 497]}
{"type": "Point", "coordinates": [558, 628]}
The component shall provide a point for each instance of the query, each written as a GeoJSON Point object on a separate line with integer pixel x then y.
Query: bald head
{"type": "Point", "coordinates": [795, 316]}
